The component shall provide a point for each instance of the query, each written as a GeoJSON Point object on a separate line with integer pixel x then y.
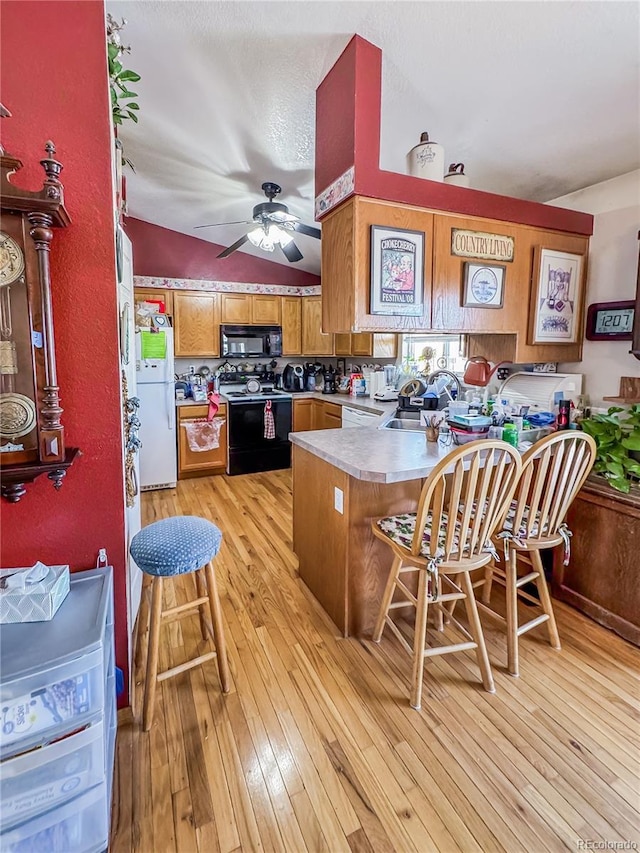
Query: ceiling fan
{"type": "Point", "coordinates": [272, 225]}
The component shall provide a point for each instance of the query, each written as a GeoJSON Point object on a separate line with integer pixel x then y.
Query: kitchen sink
{"type": "Point", "coordinates": [407, 425]}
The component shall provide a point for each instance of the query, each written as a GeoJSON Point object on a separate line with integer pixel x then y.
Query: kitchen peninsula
{"type": "Point", "coordinates": [341, 480]}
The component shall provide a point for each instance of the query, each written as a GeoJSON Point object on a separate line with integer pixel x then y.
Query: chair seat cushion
{"type": "Point", "coordinates": [175, 546]}
{"type": "Point", "coordinates": [524, 529]}
{"type": "Point", "coordinates": [400, 529]}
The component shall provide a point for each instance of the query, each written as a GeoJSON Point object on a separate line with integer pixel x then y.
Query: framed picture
{"type": "Point", "coordinates": [483, 285]}
{"type": "Point", "coordinates": [397, 271]}
{"type": "Point", "coordinates": [556, 297]}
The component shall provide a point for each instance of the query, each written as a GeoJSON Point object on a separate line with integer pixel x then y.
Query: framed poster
{"type": "Point", "coordinates": [483, 285]}
{"type": "Point", "coordinates": [557, 297]}
{"type": "Point", "coordinates": [397, 271]}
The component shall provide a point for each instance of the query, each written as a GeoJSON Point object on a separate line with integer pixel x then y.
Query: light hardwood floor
{"type": "Point", "coordinates": [316, 747]}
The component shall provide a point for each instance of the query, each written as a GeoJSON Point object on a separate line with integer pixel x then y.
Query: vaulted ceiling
{"type": "Point", "coordinates": [537, 98]}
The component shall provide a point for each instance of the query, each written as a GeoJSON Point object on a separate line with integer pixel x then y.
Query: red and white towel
{"type": "Point", "coordinates": [269, 423]}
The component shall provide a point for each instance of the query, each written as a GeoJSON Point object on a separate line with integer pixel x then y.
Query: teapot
{"type": "Point", "coordinates": [478, 371]}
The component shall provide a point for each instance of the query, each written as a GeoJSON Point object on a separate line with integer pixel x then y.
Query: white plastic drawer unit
{"type": "Point", "coordinates": [357, 417]}
{"type": "Point", "coordinates": [37, 781]}
{"type": "Point", "coordinates": [79, 826]}
{"type": "Point", "coordinates": [53, 673]}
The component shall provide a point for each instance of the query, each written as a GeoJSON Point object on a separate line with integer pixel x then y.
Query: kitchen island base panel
{"type": "Point", "coordinates": [340, 560]}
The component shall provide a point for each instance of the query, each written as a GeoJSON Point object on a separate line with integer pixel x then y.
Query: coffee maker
{"type": "Point", "coordinates": [329, 381]}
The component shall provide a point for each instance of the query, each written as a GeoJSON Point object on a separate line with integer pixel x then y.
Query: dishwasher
{"type": "Point", "coordinates": [357, 417]}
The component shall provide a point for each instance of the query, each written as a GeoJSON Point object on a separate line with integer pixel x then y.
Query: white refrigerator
{"type": "Point", "coordinates": [156, 390]}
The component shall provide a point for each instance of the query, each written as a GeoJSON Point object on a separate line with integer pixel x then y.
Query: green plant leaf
{"type": "Point", "coordinates": [130, 75]}
{"type": "Point", "coordinates": [112, 51]}
{"type": "Point", "coordinates": [133, 106]}
{"type": "Point", "coordinates": [632, 442]}
{"type": "Point", "coordinates": [133, 116]}
{"type": "Point", "coordinates": [613, 409]}
{"type": "Point", "coordinates": [631, 466]}
{"type": "Point", "coordinates": [615, 468]}
{"type": "Point", "coordinates": [620, 484]}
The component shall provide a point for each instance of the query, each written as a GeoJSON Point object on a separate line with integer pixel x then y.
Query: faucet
{"type": "Point", "coordinates": [451, 380]}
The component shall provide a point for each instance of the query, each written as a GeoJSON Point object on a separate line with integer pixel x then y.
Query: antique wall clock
{"type": "Point", "coordinates": [31, 432]}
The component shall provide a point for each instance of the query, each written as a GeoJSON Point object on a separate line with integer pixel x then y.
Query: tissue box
{"type": "Point", "coordinates": [37, 602]}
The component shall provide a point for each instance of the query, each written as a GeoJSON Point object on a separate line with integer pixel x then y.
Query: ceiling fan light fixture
{"type": "Point", "coordinates": [267, 237]}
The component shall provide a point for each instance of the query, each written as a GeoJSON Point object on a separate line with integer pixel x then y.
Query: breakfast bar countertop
{"type": "Point", "coordinates": [373, 454]}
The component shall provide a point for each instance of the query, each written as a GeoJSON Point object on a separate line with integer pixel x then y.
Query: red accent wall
{"type": "Point", "coordinates": [348, 116]}
{"type": "Point", "coordinates": [169, 254]}
{"type": "Point", "coordinates": [53, 70]}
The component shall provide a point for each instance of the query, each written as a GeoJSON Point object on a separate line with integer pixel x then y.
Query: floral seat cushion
{"type": "Point", "coordinates": [400, 529]}
{"type": "Point", "coordinates": [524, 529]}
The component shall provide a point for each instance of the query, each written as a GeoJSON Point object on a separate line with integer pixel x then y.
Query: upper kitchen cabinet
{"type": "Point", "coordinates": [346, 262]}
{"type": "Point", "coordinates": [370, 344]}
{"type": "Point", "coordinates": [314, 341]}
{"type": "Point", "coordinates": [291, 325]}
{"type": "Point", "coordinates": [244, 309]}
{"type": "Point", "coordinates": [160, 295]}
{"type": "Point", "coordinates": [507, 247]}
{"type": "Point", "coordinates": [196, 320]}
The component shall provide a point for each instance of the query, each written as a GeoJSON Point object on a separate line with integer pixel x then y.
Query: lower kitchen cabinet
{"type": "Point", "coordinates": [311, 413]}
{"type": "Point", "coordinates": [303, 414]}
{"type": "Point", "coordinates": [200, 463]}
{"type": "Point", "coordinates": [327, 415]}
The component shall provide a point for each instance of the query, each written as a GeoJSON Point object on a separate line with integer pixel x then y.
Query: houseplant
{"type": "Point", "coordinates": [617, 435]}
{"type": "Point", "coordinates": [122, 105]}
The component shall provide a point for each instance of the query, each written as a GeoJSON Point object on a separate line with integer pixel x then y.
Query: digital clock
{"type": "Point", "coordinates": [610, 321]}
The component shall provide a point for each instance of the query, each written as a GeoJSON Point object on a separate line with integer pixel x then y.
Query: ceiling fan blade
{"type": "Point", "coordinates": [216, 224]}
{"type": "Point", "coordinates": [235, 246]}
{"type": "Point", "coordinates": [291, 252]}
{"type": "Point", "coordinates": [301, 228]}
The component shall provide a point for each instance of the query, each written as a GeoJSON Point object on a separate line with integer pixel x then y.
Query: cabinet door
{"type": "Point", "coordinates": [385, 346]}
{"type": "Point", "coordinates": [291, 325]}
{"type": "Point", "coordinates": [302, 415]}
{"type": "Point", "coordinates": [235, 308]}
{"type": "Point", "coordinates": [331, 417]}
{"type": "Point", "coordinates": [196, 324]}
{"type": "Point", "coordinates": [143, 293]}
{"type": "Point", "coordinates": [265, 310]}
{"type": "Point", "coordinates": [314, 341]}
{"type": "Point", "coordinates": [342, 343]}
{"type": "Point", "coordinates": [362, 343]}
{"type": "Point", "coordinates": [201, 462]}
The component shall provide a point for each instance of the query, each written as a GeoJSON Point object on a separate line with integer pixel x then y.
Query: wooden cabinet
{"type": "Point", "coordinates": [346, 248]}
{"type": "Point", "coordinates": [303, 414]}
{"type": "Point", "coordinates": [370, 344]}
{"type": "Point", "coordinates": [291, 325]}
{"type": "Point", "coordinates": [346, 261]}
{"type": "Point", "coordinates": [601, 579]}
{"type": "Point", "coordinates": [143, 293]}
{"type": "Point", "coordinates": [192, 463]}
{"type": "Point", "coordinates": [327, 415]}
{"type": "Point", "coordinates": [235, 308]}
{"type": "Point", "coordinates": [266, 310]}
{"type": "Point", "coordinates": [196, 324]}
{"type": "Point", "coordinates": [246, 309]}
{"type": "Point", "coordinates": [314, 341]}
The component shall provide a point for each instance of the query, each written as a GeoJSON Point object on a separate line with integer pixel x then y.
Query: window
{"type": "Point", "coordinates": [447, 353]}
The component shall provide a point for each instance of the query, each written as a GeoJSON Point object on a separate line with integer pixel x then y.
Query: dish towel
{"type": "Point", "coordinates": [269, 423]}
{"type": "Point", "coordinates": [214, 405]}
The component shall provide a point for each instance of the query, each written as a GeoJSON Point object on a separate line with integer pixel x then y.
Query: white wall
{"type": "Point", "coordinates": [613, 267]}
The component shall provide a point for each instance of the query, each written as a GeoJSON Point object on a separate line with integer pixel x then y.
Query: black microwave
{"type": "Point", "coordinates": [250, 341]}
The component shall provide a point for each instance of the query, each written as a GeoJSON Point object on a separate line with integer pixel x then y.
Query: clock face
{"type": "Point", "coordinates": [610, 321]}
{"type": "Point", "coordinates": [11, 260]}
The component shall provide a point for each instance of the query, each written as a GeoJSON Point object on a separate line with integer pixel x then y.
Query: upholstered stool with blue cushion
{"type": "Point", "coordinates": [167, 548]}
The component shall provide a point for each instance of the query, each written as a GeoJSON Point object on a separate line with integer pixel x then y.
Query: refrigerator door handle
{"type": "Point", "coordinates": [171, 411]}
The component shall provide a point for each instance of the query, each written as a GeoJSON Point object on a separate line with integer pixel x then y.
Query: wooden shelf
{"type": "Point", "coordinates": [14, 477]}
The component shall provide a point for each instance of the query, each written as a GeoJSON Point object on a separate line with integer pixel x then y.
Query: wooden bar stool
{"type": "Point", "coordinates": [553, 472]}
{"type": "Point", "coordinates": [445, 538]}
{"type": "Point", "coordinates": [167, 548]}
